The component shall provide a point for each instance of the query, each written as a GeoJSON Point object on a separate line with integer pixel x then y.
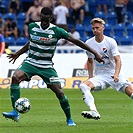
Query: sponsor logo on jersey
{"type": "Point", "coordinates": [104, 50]}
{"type": "Point", "coordinates": [40, 38]}
{"type": "Point", "coordinates": [44, 39]}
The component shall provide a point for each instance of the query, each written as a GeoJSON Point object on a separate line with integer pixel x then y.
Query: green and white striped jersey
{"type": "Point", "coordinates": [43, 44]}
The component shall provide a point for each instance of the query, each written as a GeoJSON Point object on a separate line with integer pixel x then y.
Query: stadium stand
{"type": "Point", "coordinates": [10, 15]}
{"type": "Point", "coordinates": [111, 18]}
{"type": "Point", "coordinates": [92, 6]}
{"type": "Point", "coordinates": [87, 20]}
{"type": "Point", "coordinates": [21, 41]}
{"type": "Point", "coordinates": [1, 14]}
{"type": "Point", "coordinates": [85, 38]}
{"type": "Point", "coordinates": [129, 29]}
{"type": "Point", "coordinates": [20, 21]}
{"type": "Point", "coordinates": [10, 41]}
{"type": "Point", "coordinates": [88, 31]}
{"type": "Point", "coordinates": [112, 28]}
{"type": "Point", "coordinates": [81, 29]}
{"type": "Point", "coordinates": [119, 29]}
{"type": "Point", "coordinates": [108, 29]}
{"type": "Point", "coordinates": [117, 39]}
{"type": "Point", "coordinates": [4, 6]}
{"type": "Point", "coordinates": [126, 40]}
{"type": "Point", "coordinates": [128, 17]}
{"type": "Point", "coordinates": [100, 15]}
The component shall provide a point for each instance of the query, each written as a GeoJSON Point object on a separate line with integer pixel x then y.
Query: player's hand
{"type": "Point", "coordinates": [116, 78]}
{"type": "Point", "coordinates": [99, 58]}
{"type": "Point", "coordinates": [12, 57]}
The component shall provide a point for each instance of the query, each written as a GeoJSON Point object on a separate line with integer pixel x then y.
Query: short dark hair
{"type": "Point", "coordinates": [46, 11]}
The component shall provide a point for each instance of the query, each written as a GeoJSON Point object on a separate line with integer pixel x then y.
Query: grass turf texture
{"type": "Point", "coordinates": [46, 115]}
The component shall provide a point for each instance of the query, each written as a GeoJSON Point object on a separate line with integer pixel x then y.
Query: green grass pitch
{"type": "Point", "coordinates": [46, 116]}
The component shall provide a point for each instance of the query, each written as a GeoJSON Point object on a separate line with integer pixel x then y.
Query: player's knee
{"type": "Point", "coordinates": [83, 87]}
{"type": "Point", "coordinates": [60, 94]}
{"type": "Point", "coordinates": [15, 79]}
{"type": "Point", "coordinates": [129, 91]}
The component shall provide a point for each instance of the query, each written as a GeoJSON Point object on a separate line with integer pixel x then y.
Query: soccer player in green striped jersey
{"type": "Point", "coordinates": [43, 37]}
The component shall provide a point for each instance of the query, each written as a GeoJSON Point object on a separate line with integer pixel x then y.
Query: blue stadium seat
{"type": "Point", "coordinates": [88, 31]}
{"type": "Point", "coordinates": [92, 6]}
{"type": "Point", "coordinates": [4, 4]}
{"type": "Point", "coordinates": [117, 39]}
{"type": "Point", "coordinates": [129, 17]}
{"type": "Point", "coordinates": [81, 29]}
{"type": "Point", "coordinates": [130, 29]}
{"type": "Point", "coordinates": [1, 15]}
{"type": "Point", "coordinates": [126, 40]}
{"type": "Point", "coordinates": [21, 18]}
{"type": "Point", "coordinates": [101, 15]}
{"type": "Point", "coordinates": [20, 21]}
{"type": "Point", "coordinates": [85, 38]}
{"type": "Point", "coordinates": [69, 26]}
{"type": "Point", "coordinates": [111, 18]}
{"type": "Point", "coordinates": [119, 29]}
{"type": "Point", "coordinates": [130, 6]}
{"type": "Point", "coordinates": [10, 41]}
{"type": "Point", "coordinates": [87, 20]}
{"type": "Point", "coordinates": [10, 15]}
{"type": "Point", "coordinates": [108, 29]}
{"type": "Point", "coordinates": [21, 41]}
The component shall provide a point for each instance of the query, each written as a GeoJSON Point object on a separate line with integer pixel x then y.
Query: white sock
{"type": "Point", "coordinates": [131, 96]}
{"type": "Point", "coordinates": [87, 96]}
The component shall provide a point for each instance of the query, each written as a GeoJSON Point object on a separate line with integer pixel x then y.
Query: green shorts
{"type": "Point", "coordinates": [49, 75]}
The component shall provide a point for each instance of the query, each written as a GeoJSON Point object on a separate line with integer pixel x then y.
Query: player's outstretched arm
{"type": "Point", "coordinates": [86, 47]}
{"type": "Point", "coordinates": [14, 56]}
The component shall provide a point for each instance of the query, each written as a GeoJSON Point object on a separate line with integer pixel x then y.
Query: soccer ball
{"type": "Point", "coordinates": [22, 105]}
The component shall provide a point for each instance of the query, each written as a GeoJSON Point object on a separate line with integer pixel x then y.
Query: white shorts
{"type": "Point", "coordinates": [104, 81]}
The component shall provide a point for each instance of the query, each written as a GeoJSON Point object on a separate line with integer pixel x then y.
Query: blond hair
{"type": "Point", "coordinates": [97, 20]}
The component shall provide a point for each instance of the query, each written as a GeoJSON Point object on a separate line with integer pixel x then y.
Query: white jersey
{"type": "Point", "coordinates": [107, 49]}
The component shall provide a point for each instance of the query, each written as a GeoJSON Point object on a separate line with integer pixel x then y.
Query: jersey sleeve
{"type": "Point", "coordinates": [89, 54]}
{"type": "Point", "coordinates": [114, 48]}
{"type": "Point", "coordinates": [30, 26]}
{"type": "Point", "coordinates": [61, 33]}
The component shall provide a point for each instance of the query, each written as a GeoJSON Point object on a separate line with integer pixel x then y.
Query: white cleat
{"type": "Point", "coordinates": [91, 115]}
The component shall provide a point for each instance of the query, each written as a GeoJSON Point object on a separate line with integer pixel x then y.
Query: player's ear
{"type": "Point", "coordinates": [52, 18]}
{"type": "Point", "coordinates": [103, 27]}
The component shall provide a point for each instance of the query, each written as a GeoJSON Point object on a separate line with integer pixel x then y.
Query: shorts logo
{"type": "Point", "coordinates": [54, 79]}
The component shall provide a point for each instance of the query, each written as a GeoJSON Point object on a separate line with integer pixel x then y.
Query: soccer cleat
{"type": "Point", "coordinates": [70, 122]}
{"type": "Point", "coordinates": [91, 115]}
{"type": "Point", "coordinates": [14, 115]}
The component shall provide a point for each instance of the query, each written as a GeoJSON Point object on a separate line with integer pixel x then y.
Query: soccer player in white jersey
{"type": "Point", "coordinates": [43, 37]}
{"type": "Point", "coordinates": [105, 75]}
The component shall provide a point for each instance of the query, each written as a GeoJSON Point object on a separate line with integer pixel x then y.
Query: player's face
{"type": "Point", "coordinates": [97, 29]}
{"type": "Point", "coordinates": [45, 20]}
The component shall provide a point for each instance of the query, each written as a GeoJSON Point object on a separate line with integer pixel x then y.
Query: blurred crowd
{"type": "Point", "coordinates": [66, 14]}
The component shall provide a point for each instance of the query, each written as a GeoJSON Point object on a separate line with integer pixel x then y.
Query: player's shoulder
{"type": "Point", "coordinates": [34, 24]}
{"type": "Point", "coordinates": [56, 28]}
{"type": "Point", "coordinates": [90, 40]}
{"type": "Point", "coordinates": [53, 26]}
{"type": "Point", "coordinates": [108, 38]}
{"type": "Point", "coordinates": [110, 41]}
